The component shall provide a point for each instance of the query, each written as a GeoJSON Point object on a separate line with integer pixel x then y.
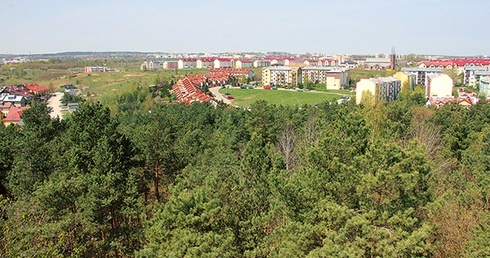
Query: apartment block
{"type": "Point", "coordinates": [281, 75]}
{"type": "Point", "coordinates": [381, 88]}
{"type": "Point", "coordinates": [334, 78]}
{"type": "Point", "coordinates": [485, 86]}
{"type": "Point", "coordinates": [420, 74]}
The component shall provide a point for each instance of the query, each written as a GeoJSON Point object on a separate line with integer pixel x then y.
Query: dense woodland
{"type": "Point", "coordinates": [386, 180]}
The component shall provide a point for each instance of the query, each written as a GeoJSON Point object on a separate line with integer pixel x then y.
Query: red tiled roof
{"type": "Point", "coordinates": [457, 62]}
{"type": "Point", "coordinates": [5, 105]}
{"type": "Point", "coordinates": [14, 114]}
{"type": "Point", "coordinates": [36, 88]}
{"type": "Point", "coordinates": [467, 100]}
{"type": "Point", "coordinates": [186, 90]}
{"type": "Point", "coordinates": [230, 71]}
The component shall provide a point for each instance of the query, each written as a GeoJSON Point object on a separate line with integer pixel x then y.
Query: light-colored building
{"type": "Point", "coordinates": [243, 63]}
{"type": "Point", "coordinates": [281, 75]}
{"type": "Point", "coordinates": [96, 69]}
{"type": "Point", "coordinates": [406, 79]}
{"type": "Point", "coordinates": [16, 100]}
{"type": "Point", "coordinates": [420, 74]}
{"type": "Point", "coordinates": [170, 64]}
{"type": "Point", "coordinates": [439, 85]}
{"type": "Point", "coordinates": [471, 72]}
{"type": "Point", "coordinates": [381, 88]}
{"type": "Point", "coordinates": [479, 75]}
{"type": "Point", "coordinates": [151, 65]}
{"type": "Point", "coordinates": [485, 86]}
{"type": "Point", "coordinates": [187, 63]}
{"type": "Point", "coordinates": [377, 63]}
{"type": "Point", "coordinates": [205, 63]}
{"type": "Point", "coordinates": [224, 63]}
{"type": "Point", "coordinates": [334, 78]}
{"type": "Point", "coordinates": [262, 63]}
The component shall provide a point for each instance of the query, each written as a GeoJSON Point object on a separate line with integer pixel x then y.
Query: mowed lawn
{"type": "Point", "coordinates": [245, 97]}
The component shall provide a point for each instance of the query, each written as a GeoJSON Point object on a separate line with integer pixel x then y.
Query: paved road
{"type": "Point", "coordinates": [54, 102]}
{"type": "Point", "coordinates": [218, 96]}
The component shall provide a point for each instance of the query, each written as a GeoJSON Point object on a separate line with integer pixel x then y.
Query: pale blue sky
{"type": "Point", "coordinates": [444, 27]}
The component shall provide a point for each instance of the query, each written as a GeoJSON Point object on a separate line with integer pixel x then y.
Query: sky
{"type": "Point", "coordinates": [431, 27]}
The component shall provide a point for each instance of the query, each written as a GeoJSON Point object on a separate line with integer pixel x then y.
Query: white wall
{"type": "Point", "coordinates": [441, 86]}
{"type": "Point", "coordinates": [364, 85]}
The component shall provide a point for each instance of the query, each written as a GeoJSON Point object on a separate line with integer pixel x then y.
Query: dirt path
{"type": "Point", "coordinates": [54, 102]}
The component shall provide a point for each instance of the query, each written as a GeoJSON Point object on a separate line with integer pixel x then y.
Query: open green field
{"type": "Point", "coordinates": [245, 97]}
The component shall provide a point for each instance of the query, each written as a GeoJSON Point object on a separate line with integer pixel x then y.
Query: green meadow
{"type": "Point", "coordinates": [245, 97]}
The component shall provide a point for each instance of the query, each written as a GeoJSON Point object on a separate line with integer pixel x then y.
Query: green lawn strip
{"type": "Point", "coordinates": [245, 97]}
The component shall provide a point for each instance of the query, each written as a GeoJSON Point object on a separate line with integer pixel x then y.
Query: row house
{"type": "Point", "coordinates": [243, 64]}
{"type": "Point", "coordinates": [224, 63]}
{"type": "Point", "coordinates": [151, 65]}
{"type": "Point", "coordinates": [187, 63]}
{"type": "Point", "coordinates": [247, 73]}
{"type": "Point", "coordinates": [261, 63]}
{"type": "Point", "coordinates": [218, 62]}
{"type": "Point", "coordinates": [468, 66]}
{"type": "Point", "coordinates": [171, 65]}
{"type": "Point", "coordinates": [441, 101]}
{"type": "Point", "coordinates": [454, 63]}
{"type": "Point", "coordinates": [205, 63]}
{"type": "Point", "coordinates": [334, 78]}
{"type": "Point", "coordinates": [187, 91]}
{"type": "Point", "coordinates": [320, 62]}
{"type": "Point", "coordinates": [381, 88]}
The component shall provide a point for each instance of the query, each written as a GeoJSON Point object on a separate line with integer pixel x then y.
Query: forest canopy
{"type": "Point", "coordinates": [391, 179]}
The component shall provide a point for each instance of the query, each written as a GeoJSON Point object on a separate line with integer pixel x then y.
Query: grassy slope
{"type": "Point", "coordinates": [245, 97]}
{"type": "Point", "coordinates": [357, 74]}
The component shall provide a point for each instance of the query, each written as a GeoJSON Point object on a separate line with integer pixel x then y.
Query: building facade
{"type": "Point", "coordinates": [439, 85]}
{"type": "Point", "coordinates": [334, 78]}
{"type": "Point", "coordinates": [471, 73]}
{"type": "Point", "coordinates": [420, 74]}
{"type": "Point", "coordinates": [485, 86]}
{"type": "Point", "coordinates": [381, 88]}
{"type": "Point", "coordinates": [281, 76]}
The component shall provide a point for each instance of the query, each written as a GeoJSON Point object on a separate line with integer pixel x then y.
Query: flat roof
{"type": "Point", "coordinates": [419, 69]}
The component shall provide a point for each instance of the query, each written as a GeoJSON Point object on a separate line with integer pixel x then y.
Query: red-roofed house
{"type": "Point", "coordinates": [186, 91]}
{"type": "Point", "coordinates": [14, 115]}
{"type": "Point", "coordinates": [206, 63]}
{"type": "Point", "coordinates": [5, 107]}
{"type": "Point", "coordinates": [224, 63]}
{"type": "Point", "coordinates": [243, 63]}
{"type": "Point", "coordinates": [36, 89]}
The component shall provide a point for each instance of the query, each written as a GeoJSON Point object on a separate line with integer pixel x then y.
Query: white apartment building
{"type": "Point", "coordinates": [439, 85]}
